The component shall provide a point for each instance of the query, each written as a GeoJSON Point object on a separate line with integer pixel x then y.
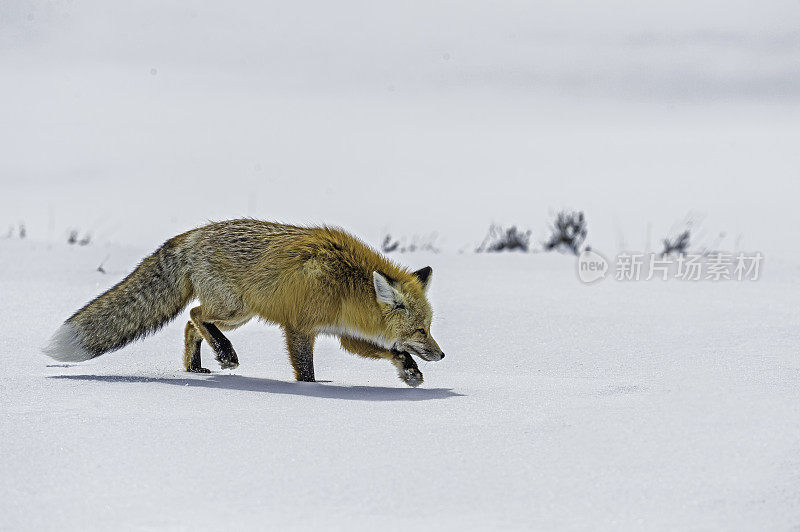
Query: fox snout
{"type": "Point", "coordinates": [431, 353]}
{"type": "Point", "coordinates": [423, 354]}
{"type": "Point", "coordinates": [430, 357]}
{"type": "Point", "coordinates": [433, 357]}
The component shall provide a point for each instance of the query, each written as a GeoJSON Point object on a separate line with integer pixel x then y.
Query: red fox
{"type": "Point", "coordinates": [308, 280]}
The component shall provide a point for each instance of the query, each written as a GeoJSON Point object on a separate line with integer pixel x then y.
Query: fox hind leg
{"type": "Point", "coordinates": [191, 353]}
{"type": "Point", "coordinates": [205, 322]}
{"type": "Point", "coordinates": [229, 360]}
{"type": "Point", "coordinates": [301, 354]}
{"type": "Point", "coordinates": [226, 355]}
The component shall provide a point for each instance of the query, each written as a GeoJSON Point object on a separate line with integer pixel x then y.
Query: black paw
{"type": "Point", "coordinates": [228, 363]}
{"type": "Point", "coordinates": [411, 376]}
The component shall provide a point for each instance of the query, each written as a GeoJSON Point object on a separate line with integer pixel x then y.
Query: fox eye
{"type": "Point", "coordinates": [422, 332]}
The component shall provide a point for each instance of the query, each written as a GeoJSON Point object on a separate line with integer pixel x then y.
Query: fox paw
{"type": "Point", "coordinates": [198, 370]}
{"type": "Point", "coordinates": [226, 363]}
{"type": "Point", "coordinates": [411, 376]}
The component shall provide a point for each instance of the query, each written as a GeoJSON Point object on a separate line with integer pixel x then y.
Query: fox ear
{"type": "Point", "coordinates": [384, 291]}
{"type": "Point", "coordinates": [424, 276]}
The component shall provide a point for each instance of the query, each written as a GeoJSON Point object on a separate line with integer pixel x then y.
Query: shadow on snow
{"type": "Point", "coordinates": [307, 389]}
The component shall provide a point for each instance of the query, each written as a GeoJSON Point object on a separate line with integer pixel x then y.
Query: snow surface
{"type": "Point", "coordinates": [559, 406]}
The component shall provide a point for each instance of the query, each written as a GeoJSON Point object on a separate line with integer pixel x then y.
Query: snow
{"type": "Point", "coordinates": [560, 406]}
{"type": "Point", "coordinates": [659, 405]}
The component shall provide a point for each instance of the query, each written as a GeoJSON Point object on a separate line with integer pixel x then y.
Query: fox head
{"type": "Point", "coordinates": [407, 313]}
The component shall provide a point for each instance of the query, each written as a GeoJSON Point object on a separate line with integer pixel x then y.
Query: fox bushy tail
{"type": "Point", "coordinates": [146, 300]}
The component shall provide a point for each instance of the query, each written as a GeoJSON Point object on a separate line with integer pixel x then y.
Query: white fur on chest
{"type": "Point", "coordinates": [339, 330]}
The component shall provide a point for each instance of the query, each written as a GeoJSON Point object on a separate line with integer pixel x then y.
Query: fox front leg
{"type": "Point", "coordinates": [407, 369]}
{"type": "Point", "coordinates": [301, 354]}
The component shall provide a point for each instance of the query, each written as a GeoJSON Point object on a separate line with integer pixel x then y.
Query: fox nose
{"type": "Point", "coordinates": [442, 354]}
